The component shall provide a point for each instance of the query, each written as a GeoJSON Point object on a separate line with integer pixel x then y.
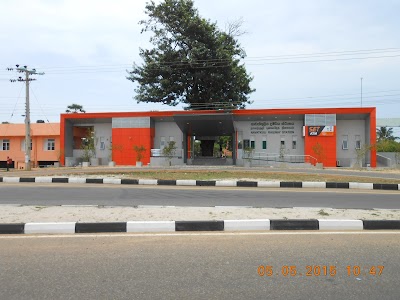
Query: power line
{"type": "Point", "coordinates": [215, 63]}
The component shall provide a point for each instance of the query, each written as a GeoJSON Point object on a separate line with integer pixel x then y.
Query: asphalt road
{"type": "Point", "coordinates": [201, 266]}
{"type": "Point", "coordinates": [89, 194]}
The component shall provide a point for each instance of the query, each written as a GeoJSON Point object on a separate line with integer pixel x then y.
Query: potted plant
{"type": "Point", "coordinates": [360, 155]}
{"type": "Point", "coordinates": [139, 154]}
{"type": "Point", "coordinates": [169, 152]}
{"type": "Point", "coordinates": [248, 153]}
{"type": "Point", "coordinates": [319, 152]}
{"type": "Point", "coordinates": [88, 147]}
{"type": "Point", "coordinates": [112, 148]}
{"type": "Point", "coordinates": [60, 153]}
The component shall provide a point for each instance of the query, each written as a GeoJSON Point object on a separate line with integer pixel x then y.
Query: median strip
{"type": "Point", "coordinates": [217, 183]}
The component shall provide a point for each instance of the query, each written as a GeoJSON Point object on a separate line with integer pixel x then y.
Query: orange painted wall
{"type": "Point", "coordinates": [189, 146]}
{"type": "Point", "coordinates": [372, 128]}
{"type": "Point", "coordinates": [328, 145]}
{"type": "Point", "coordinates": [40, 132]}
{"type": "Point", "coordinates": [38, 152]}
{"type": "Point", "coordinates": [79, 133]}
{"type": "Point", "coordinates": [128, 138]}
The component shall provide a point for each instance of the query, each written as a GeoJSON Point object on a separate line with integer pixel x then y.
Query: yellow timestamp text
{"type": "Point", "coordinates": [318, 270]}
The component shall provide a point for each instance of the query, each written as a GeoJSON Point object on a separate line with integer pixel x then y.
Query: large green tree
{"type": "Point", "coordinates": [192, 61]}
{"type": "Point", "coordinates": [384, 133]}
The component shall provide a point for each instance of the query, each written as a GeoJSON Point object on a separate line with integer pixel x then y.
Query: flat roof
{"type": "Point", "coordinates": [37, 129]}
{"type": "Point", "coordinates": [158, 115]}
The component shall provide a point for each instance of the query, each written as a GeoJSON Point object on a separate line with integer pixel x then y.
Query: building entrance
{"type": "Point", "coordinates": [212, 150]}
{"type": "Point", "coordinates": [210, 138]}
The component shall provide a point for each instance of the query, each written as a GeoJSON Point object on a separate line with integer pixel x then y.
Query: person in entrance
{"type": "Point", "coordinates": [9, 163]}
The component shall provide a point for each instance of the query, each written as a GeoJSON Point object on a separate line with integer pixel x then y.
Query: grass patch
{"type": "Point", "coordinates": [229, 175]}
{"type": "Point", "coordinates": [38, 208]}
{"type": "Point", "coordinates": [321, 212]}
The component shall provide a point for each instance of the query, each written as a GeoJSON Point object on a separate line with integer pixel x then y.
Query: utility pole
{"type": "Point", "coordinates": [27, 72]}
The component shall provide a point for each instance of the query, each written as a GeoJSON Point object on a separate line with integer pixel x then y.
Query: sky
{"type": "Point", "coordinates": [309, 53]}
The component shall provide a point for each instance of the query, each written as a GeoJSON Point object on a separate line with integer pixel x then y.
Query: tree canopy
{"type": "Point", "coordinates": [384, 133]}
{"type": "Point", "coordinates": [74, 108]}
{"type": "Point", "coordinates": [192, 61]}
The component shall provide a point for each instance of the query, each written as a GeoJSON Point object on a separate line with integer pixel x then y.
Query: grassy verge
{"type": "Point", "coordinates": [237, 175]}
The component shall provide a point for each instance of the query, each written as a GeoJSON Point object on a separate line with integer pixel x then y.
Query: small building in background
{"type": "Point", "coordinates": [45, 144]}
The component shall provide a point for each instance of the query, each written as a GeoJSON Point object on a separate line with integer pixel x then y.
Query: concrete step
{"type": "Point", "coordinates": [211, 161]}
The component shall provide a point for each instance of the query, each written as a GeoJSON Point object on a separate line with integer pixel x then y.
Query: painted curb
{"type": "Point", "coordinates": [243, 225]}
{"type": "Point", "coordinates": [221, 225]}
{"type": "Point", "coordinates": [66, 227]}
{"type": "Point", "coordinates": [325, 224]}
{"type": "Point", "coordinates": [150, 226]}
{"type": "Point", "coordinates": [218, 183]}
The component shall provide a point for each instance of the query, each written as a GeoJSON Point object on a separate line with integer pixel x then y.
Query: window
{"type": "Point", "coordinates": [246, 144]}
{"type": "Point", "coordinates": [264, 143]}
{"type": "Point", "coordinates": [294, 142]}
{"type": "Point", "coordinates": [23, 145]}
{"type": "Point", "coordinates": [51, 144]}
{"type": "Point", "coordinates": [162, 142]}
{"type": "Point", "coordinates": [282, 142]}
{"type": "Point", "coordinates": [171, 138]}
{"type": "Point", "coordinates": [5, 145]}
{"type": "Point", "coordinates": [345, 142]}
{"type": "Point", "coordinates": [358, 142]}
{"type": "Point", "coordinates": [252, 143]}
{"type": "Point", "coordinates": [102, 143]}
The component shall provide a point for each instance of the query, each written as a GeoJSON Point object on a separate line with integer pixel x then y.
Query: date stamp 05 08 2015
{"type": "Point", "coordinates": [318, 270]}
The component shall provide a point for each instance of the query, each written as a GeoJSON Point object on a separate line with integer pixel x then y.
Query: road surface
{"type": "Point", "coordinates": [202, 266]}
{"type": "Point", "coordinates": [91, 194]}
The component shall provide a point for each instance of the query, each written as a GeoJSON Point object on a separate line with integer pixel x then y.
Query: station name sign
{"type": "Point", "coordinates": [321, 130]}
{"type": "Point", "coordinates": [272, 128]}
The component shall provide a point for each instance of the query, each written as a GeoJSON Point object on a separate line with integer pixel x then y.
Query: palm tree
{"type": "Point", "coordinates": [383, 133]}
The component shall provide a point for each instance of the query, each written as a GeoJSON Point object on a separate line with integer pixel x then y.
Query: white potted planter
{"type": "Point", "coordinates": [139, 164]}
{"type": "Point", "coordinates": [57, 164]}
{"type": "Point", "coordinates": [85, 164]}
{"type": "Point", "coordinates": [94, 161]}
{"type": "Point", "coordinates": [111, 164]}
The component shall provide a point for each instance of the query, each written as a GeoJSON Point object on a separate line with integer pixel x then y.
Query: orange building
{"type": "Point", "coordinates": [332, 136]}
{"type": "Point", "coordinates": [45, 144]}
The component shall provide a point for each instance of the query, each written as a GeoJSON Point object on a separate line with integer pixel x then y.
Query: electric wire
{"type": "Point", "coordinates": [220, 63]}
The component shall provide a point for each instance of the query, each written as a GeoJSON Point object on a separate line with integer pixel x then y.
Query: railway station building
{"type": "Point", "coordinates": [301, 137]}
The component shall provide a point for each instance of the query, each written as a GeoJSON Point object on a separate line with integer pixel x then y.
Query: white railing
{"type": "Point", "coordinates": [276, 157]}
{"type": "Point", "coordinates": [159, 153]}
